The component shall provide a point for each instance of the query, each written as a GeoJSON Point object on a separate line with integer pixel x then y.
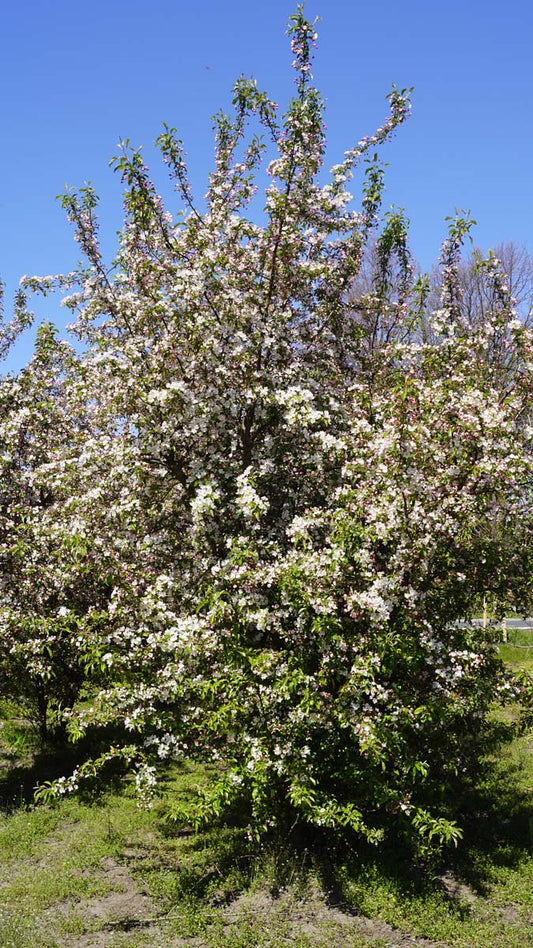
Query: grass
{"type": "Point", "coordinates": [517, 657]}
{"type": "Point", "coordinates": [98, 872]}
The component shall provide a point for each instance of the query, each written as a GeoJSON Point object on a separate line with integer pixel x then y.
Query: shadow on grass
{"type": "Point", "coordinates": [496, 813]}
{"type": "Point", "coordinates": [492, 806]}
{"type": "Point", "coordinates": [21, 774]}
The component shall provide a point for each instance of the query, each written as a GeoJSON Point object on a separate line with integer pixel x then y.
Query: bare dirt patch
{"type": "Point", "coordinates": [456, 889]}
{"type": "Point", "coordinates": [125, 908]}
{"type": "Point", "coordinates": [323, 924]}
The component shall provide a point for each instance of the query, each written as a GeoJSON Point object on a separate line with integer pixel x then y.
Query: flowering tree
{"type": "Point", "coordinates": [51, 590]}
{"type": "Point", "coordinates": [291, 518]}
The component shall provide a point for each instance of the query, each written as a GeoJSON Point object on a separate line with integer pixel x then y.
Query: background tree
{"type": "Point", "coordinates": [51, 593]}
{"type": "Point", "coordinates": [477, 294]}
{"type": "Point", "coordinates": [477, 291]}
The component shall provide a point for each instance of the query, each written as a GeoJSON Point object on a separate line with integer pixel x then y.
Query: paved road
{"type": "Point", "coordinates": [519, 623]}
{"type": "Point", "coordinates": [510, 623]}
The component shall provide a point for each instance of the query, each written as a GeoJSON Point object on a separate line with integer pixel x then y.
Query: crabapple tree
{"type": "Point", "coordinates": [291, 504]}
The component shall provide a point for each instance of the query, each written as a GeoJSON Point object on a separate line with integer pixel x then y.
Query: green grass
{"type": "Point", "coordinates": [102, 868]}
{"type": "Point", "coordinates": [517, 658]}
{"type": "Point", "coordinates": [520, 637]}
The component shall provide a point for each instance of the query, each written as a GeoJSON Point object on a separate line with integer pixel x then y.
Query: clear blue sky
{"type": "Point", "coordinates": [77, 77]}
